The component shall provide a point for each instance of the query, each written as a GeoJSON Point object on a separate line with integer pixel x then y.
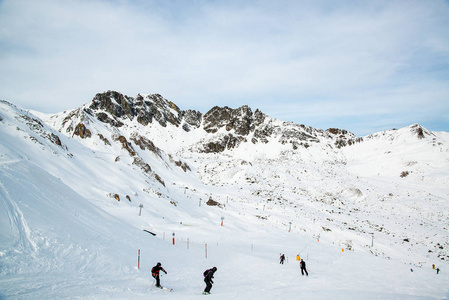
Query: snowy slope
{"type": "Point", "coordinates": [64, 235]}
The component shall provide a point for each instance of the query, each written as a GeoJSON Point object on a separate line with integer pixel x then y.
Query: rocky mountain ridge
{"type": "Point", "coordinates": [231, 126]}
{"type": "Point", "coordinates": [327, 181]}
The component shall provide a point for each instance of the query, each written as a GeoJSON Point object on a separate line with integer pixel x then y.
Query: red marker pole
{"type": "Point", "coordinates": [173, 238]}
{"type": "Point", "coordinates": [138, 260]}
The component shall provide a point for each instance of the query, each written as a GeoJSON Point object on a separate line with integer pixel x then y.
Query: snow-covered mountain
{"type": "Point", "coordinates": [72, 185]}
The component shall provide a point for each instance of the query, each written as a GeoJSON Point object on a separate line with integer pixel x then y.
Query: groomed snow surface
{"type": "Point", "coordinates": [59, 246]}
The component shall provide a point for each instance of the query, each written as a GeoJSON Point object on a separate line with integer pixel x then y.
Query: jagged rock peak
{"type": "Point", "coordinates": [235, 126]}
{"type": "Point", "coordinates": [242, 120]}
{"type": "Point", "coordinates": [113, 107]}
{"type": "Point", "coordinates": [420, 131]}
{"type": "Point", "coordinates": [115, 103]}
{"type": "Point", "coordinates": [342, 137]}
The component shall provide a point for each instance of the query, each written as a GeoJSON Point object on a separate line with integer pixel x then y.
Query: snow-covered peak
{"type": "Point", "coordinates": [221, 128]}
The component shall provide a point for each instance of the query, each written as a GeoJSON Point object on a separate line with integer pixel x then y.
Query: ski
{"type": "Point", "coordinates": [166, 289]}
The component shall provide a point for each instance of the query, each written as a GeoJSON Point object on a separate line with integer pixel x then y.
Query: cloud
{"type": "Point", "coordinates": [318, 61]}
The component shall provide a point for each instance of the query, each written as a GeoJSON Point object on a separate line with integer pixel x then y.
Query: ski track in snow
{"type": "Point", "coordinates": [17, 222]}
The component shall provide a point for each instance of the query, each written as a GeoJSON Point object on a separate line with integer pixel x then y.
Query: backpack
{"type": "Point", "coordinates": [205, 272]}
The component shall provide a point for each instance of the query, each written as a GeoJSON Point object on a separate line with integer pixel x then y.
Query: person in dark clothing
{"type": "Point", "coordinates": [282, 259]}
{"type": "Point", "coordinates": [302, 264]}
{"type": "Point", "coordinates": [208, 276]}
{"type": "Point", "coordinates": [155, 272]}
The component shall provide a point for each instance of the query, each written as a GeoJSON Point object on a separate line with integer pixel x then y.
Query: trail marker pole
{"type": "Point", "coordinates": [173, 237]}
{"type": "Point", "coordinates": [290, 227]}
{"type": "Point", "coordinates": [140, 211]}
{"type": "Point", "coordinates": [372, 240]}
{"type": "Point", "coordinates": [138, 260]}
{"type": "Point", "coordinates": [206, 249]}
{"type": "Point", "coordinates": [222, 218]}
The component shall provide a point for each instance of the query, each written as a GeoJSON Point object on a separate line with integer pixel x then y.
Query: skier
{"type": "Point", "coordinates": [438, 270]}
{"type": "Point", "coordinates": [303, 267]}
{"type": "Point", "coordinates": [282, 259]}
{"type": "Point", "coordinates": [208, 275]}
{"type": "Point", "coordinates": [155, 272]}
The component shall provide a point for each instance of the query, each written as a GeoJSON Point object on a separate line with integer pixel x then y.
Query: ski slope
{"type": "Point", "coordinates": [60, 246]}
{"type": "Point", "coordinates": [63, 237]}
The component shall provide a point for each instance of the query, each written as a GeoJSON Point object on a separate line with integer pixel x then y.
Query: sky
{"type": "Point", "coordinates": [363, 66]}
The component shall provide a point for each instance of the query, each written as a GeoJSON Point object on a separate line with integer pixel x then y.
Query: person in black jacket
{"type": "Point", "coordinates": [302, 264]}
{"type": "Point", "coordinates": [282, 258]}
{"type": "Point", "coordinates": [155, 272]}
{"type": "Point", "coordinates": [208, 275]}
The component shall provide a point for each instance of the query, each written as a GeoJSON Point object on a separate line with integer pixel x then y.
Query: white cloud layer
{"type": "Point", "coordinates": [360, 65]}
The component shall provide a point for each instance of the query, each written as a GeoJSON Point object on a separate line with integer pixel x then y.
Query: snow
{"type": "Point", "coordinates": [63, 236]}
